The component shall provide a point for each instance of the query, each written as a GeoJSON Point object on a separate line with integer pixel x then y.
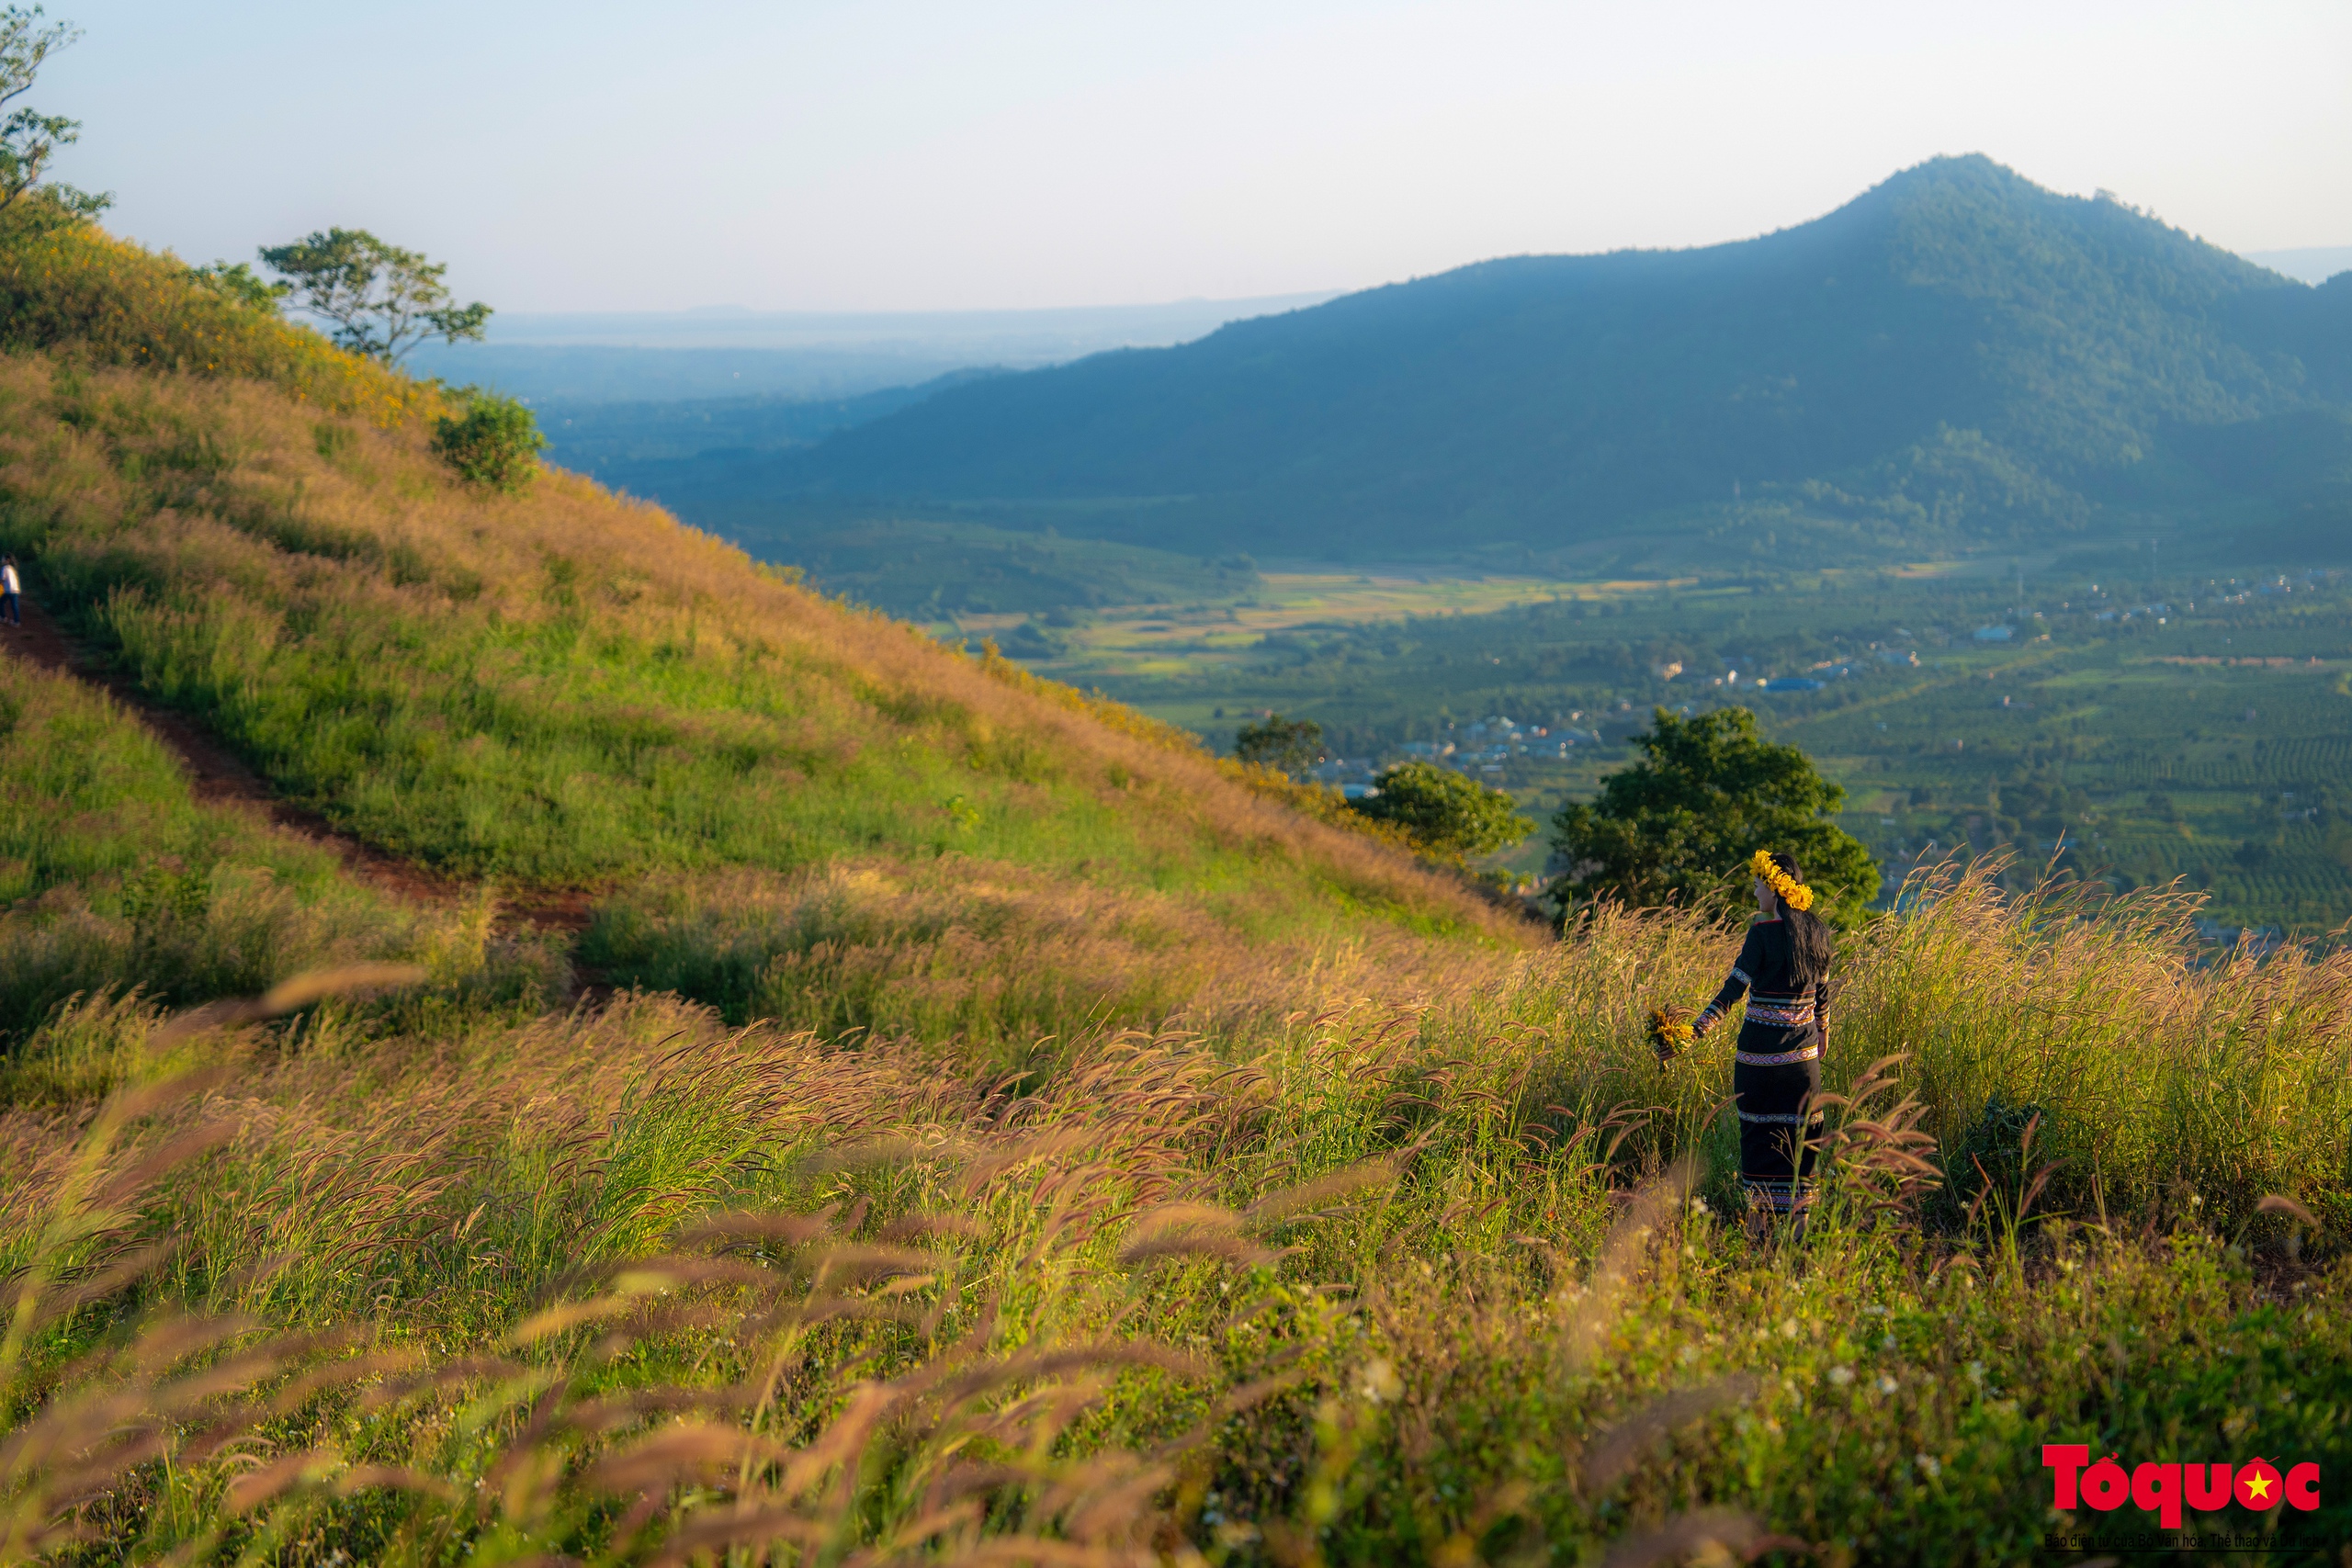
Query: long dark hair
{"type": "Point", "coordinates": [1806, 933]}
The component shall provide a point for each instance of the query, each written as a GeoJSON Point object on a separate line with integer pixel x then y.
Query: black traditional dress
{"type": "Point", "coordinates": [1777, 1067]}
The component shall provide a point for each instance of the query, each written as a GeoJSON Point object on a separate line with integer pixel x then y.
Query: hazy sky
{"type": "Point", "coordinates": [800, 154]}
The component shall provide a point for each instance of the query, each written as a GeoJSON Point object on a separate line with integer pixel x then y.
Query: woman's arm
{"type": "Point", "coordinates": [1734, 987]}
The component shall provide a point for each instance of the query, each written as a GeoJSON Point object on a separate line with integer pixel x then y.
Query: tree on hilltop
{"type": "Point", "coordinates": [1447, 814]}
{"type": "Point", "coordinates": [1681, 826]}
{"type": "Point", "coordinates": [382, 299]}
{"type": "Point", "coordinates": [29, 139]}
{"type": "Point", "coordinates": [238, 283]}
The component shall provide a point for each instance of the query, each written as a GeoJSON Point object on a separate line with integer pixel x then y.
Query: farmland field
{"type": "Point", "coordinates": [2133, 725]}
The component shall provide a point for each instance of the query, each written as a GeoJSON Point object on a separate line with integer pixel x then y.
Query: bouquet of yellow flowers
{"type": "Point", "coordinates": [1670, 1031]}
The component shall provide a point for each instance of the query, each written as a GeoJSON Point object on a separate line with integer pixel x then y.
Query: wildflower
{"type": "Point", "coordinates": [1929, 1465]}
{"type": "Point", "coordinates": [1886, 1385]}
{"type": "Point", "coordinates": [1787, 1328]}
{"type": "Point", "coordinates": [1840, 1376]}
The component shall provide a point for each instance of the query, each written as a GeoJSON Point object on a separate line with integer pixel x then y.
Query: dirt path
{"type": "Point", "coordinates": [220, 777]}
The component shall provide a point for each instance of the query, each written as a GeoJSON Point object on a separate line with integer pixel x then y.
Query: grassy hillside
{"type": "Point", "coordinates": [116, 877]}
{"type": "Point", "coordinates": [1955, 358]}
{"type": "Point", "coordinates": [1025, 1141]}
{"type": "Point", "coordinates": [571, 689]}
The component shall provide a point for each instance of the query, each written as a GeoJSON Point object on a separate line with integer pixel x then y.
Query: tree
{"type": "Point", "coordinates": [1444, 812]}
{"type": "Point", "coordinates": [1679, 824]}
{"type": "Point", "coordinates": [493, 441]}
{"type": "Point", "coordinates": [29, 139]}
{"type": "Point", "coordinates": [1286, 745]}
{"type": "Point", "coordinates": [383, 300]}
{"type": "Point", "coordinates": [239, 284]}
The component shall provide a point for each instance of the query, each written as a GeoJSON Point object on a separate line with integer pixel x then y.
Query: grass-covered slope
{"type": "Point", "coordinates": [1955, 358]}
{"type": "Point", "coordinates": [112, 876]}
{"type": "Point", "coordinates": [569, 688]}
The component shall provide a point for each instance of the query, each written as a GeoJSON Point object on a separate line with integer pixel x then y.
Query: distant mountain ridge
{"type": "Point", "coordinates": [640, 357]}
{"type": "Point", "coordinates": [1957, 359]}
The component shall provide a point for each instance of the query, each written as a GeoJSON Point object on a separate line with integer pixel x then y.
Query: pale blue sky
{"type": "Point", "coordinates": [593, 156]}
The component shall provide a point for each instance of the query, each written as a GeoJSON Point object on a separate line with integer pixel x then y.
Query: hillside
{"type": "Point", "coordinates": [526, 1038]}
{"type": "Point", "coordinates": [730, 774]}
{"type": "Point", "coordinates": [1956, 358]}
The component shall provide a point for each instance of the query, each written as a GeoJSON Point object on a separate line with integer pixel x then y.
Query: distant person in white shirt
{"type": "Point", "coordinates": [12, 588]}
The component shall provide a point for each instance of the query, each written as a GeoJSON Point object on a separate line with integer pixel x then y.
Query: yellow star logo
{"type": "Point", "coordinates": [2261, 1486]}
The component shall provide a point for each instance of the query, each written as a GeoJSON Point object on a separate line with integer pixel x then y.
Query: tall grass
{"type": "Point", "coordinates": [992, 957]}
{"type": "Point", "coordinates": [1398, 1282]}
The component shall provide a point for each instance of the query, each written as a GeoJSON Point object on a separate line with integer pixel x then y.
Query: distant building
{"type": "Point", "coordinates": [1996, 634]}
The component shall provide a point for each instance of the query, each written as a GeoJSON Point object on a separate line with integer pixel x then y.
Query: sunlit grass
{"type": "Point", "coordinates": [1450, 1276]}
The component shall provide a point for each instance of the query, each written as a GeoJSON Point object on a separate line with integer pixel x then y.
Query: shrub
{"type": "Point", "coordinates": [1443, 812]}
{"type": "Point", "coordinates": [494, 441]}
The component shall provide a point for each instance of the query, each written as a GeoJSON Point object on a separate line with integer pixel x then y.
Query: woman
{"type": "Point", "coordinates": [1784, 968]}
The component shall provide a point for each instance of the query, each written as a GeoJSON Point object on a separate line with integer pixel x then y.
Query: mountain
{"type": "Point", "coordinates": [1956, 358]}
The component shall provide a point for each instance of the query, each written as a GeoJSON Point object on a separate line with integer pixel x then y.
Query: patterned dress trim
{"type": "Point", "coordinates": [1781, 1197]}
{"type": "Point", "coordinates": [1778, 1058]}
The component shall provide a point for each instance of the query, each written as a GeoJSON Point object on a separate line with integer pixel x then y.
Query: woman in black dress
{"type": "Point", "coordinates": [1783, 968]}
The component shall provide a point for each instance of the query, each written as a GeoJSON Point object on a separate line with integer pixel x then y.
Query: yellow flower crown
{"type": "Point", "coordinates": [1794, 894]}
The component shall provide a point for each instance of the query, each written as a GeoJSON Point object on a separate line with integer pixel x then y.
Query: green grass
{"type": "Point", "coordinates": [113, 879]}
{"type": "Point", "coordinates": [569, 688]}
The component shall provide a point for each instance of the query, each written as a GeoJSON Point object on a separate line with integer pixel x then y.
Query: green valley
{"type": "Point", "coordinates": [2124, 723]}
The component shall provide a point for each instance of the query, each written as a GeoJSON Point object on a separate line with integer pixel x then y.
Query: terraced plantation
{"type": "Point", "coordinates": [531, 1038]}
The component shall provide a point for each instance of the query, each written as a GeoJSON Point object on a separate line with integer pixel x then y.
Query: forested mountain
{"type": "Point", "coordinates": [1958, 357]}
